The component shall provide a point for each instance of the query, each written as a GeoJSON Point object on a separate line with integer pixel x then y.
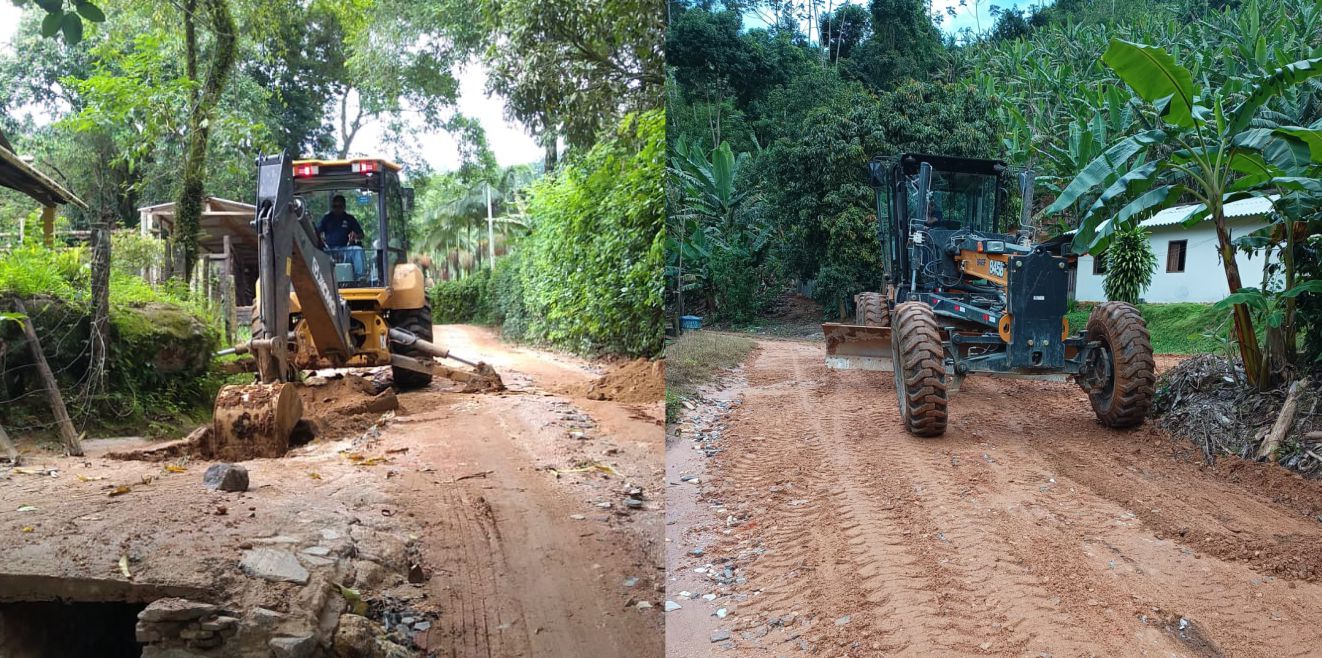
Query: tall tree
{"type": "Point", "coordinates": [188, 209]}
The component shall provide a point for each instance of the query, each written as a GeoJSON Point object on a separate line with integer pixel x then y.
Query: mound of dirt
{"type": "Point", "coordinates": [344, 405]}
{"type": "Point", "coordinates": [1205, 399]}
{"type": "Point", "coordinates": [639, 380]}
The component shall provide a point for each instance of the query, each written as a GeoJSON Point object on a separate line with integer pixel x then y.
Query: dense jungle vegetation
{"type": "Point", "coordinates": [774, 108]}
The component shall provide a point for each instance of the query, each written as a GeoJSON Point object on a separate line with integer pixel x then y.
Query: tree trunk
{"type": "Point", "coordinates": [552, 155]}
{"type": "Point", "coordinates": [72, 444]}
{"type": "Point", "coordinates": [100, 331]}
{"type": "Point", "coordinates": [1244, 333]}
{"type": "Point", "coordinates": [188, 208]}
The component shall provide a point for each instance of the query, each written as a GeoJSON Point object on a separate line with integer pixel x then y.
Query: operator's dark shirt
{"type": "Point", "coordinates": [336, 228]}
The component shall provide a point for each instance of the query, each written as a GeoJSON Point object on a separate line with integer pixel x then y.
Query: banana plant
{"type": "Point", "coordinates": [1210, 153]}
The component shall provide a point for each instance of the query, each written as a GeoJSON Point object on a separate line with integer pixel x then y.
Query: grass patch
{"type": "Point", "coordinates": [1181, 328]}
{"type": "Point", "coordinates": [696, 358]}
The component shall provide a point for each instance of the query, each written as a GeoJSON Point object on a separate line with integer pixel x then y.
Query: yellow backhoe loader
{"type": "Point", "coordinates": [358, 304]}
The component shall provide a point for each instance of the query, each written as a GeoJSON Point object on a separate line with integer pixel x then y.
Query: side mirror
{"type": "Point", "coordinates": [1026, 181]}
{"type": "Point", "coordinates": [924, 191]}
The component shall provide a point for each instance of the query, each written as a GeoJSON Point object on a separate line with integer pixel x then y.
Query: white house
{"type": "Point", "coordinates": [1188, 260]}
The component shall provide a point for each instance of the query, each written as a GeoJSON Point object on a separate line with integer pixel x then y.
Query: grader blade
{"type": "Point", "coordinates": [858, 347]}
{"type": "Point", "coordinates": [253, 420]}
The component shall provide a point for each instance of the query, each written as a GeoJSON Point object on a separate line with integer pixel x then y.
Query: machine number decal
{"type": "Point", "coordinates": [997, 268]}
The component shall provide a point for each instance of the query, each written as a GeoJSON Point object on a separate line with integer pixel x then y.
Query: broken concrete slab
{"type": "Point", "coordinates": [273, 564]}
{"type": "Point", "coordinates": [175, 609]}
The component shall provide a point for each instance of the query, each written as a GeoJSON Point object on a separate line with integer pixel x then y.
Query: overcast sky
{"type": "Point", "coordinates": [509, 141]}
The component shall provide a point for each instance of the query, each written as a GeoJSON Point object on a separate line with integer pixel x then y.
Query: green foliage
{"type": "Point", "coordinates": [1130, 263]}
{"type": "Point", "coordinates": [133, 253]}
{"type": "Point", "coordinates": [1215, 157]}
{"type": "Point", "coordinates": [66, 20]}
{"type": "Point", "coordinates": [586, 277]}
{"type": "Point", "coordinates": [819, 201]}
{"type": "Point", "coordinates": [904, 45]}
{"type": "Point", "coordinates": [462, 300]}
{"type": "Point", "coordinates": [160, 341]}
{"type": "Point", "coordinates": [592, 262]}
{"type": "Point", "coordinates": [566, 68]}
{"type": "Point", "coordinates": [1309, 311]}
{"type": "Point", "coordinates": [31, 270]}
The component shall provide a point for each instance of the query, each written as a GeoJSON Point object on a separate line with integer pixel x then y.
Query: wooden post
{"type": "Point", "coordinates": [71, 442]}
{"type": "Point", "coordinates": [48, 226]}
{"type": "Point", "coordinates": [227, 289]}
{"type": "Point", "coordinates": [1282, 426]}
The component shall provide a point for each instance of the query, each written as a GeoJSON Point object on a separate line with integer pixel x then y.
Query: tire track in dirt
{"type": "Point", "coordinates": [1028, 528]}
{"type": "Point", "coordinates": [487, 619]}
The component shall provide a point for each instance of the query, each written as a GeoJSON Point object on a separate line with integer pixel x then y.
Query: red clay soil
{"type": "Point", "coordinates": [639, 380]}
{"type": "Point", "coordinates": [1027, 529]}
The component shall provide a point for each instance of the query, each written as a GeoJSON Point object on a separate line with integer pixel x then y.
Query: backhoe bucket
{"type": "Point", "coordinates": [253, 420]}
{"type": "Point", "coordinates": [858, 347]}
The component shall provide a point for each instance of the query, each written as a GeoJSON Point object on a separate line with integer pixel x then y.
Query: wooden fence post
{"type": "Point", "coordinates": [48, 226]}
{"type": "Point", "coordinates": [71, 442]}
{"type": "Point", "coordinates": [227, 290]}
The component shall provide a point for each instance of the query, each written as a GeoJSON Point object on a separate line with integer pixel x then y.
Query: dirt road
{"type": "Point", "coordinates": [527, 562]}
{"type": "Point", "coordinates": [1027, 529]}
{"type": "Point", "coordinates": [514, 505]}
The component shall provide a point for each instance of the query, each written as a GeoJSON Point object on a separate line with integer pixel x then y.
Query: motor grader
{"type": "Point", "coordinates": [320, 306]}
{"type": "Point", "coordinates": [966, 293]}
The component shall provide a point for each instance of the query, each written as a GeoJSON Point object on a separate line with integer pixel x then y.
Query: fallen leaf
{"type": "Point", "coordinates": [315, 476]}
{"type": "Point", "coordinates": [175, 469]}
{"type": "Point", "coordinates": [27, 508]}
{"type": "Point", "coordinates": [28, 528]}
{"type": "Point", "coordinates": [121, 490]}
{"type": "Point", "coordinates": [354, 598]}
{"type": "Point", "coordinates": [124, 566]}
{"type": "Point", "coordinates": [90, 478]}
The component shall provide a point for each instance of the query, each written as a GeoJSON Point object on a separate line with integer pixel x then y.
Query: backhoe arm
{"type": "Point", "coordinates": [289, 258]}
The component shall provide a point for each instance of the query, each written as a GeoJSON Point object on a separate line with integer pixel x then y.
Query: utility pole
{"type": "Point", "coordinates": [491, 231]}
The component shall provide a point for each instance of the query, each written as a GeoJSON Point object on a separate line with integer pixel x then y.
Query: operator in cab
{"type": "Point", "coordinates": [936, 219]}
{"type": "Point", "coordinates": [338, 228]}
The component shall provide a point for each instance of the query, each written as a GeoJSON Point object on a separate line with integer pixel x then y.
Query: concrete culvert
{"type": "Point", "coordinates": [42, 629]}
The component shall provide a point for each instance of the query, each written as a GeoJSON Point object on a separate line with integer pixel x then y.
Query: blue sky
{"type": "Point", "coordinates": [964, 16]}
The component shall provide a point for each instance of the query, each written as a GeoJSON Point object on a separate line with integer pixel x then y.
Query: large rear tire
{"type": "Point", "coordinates": [870, 310]}
{"type": "Point", "coordinates": [418, 321]}
{"type": "Point", "coordinates": [920, 369]}
{"type": "Point", "coordinates": [1124, 398]}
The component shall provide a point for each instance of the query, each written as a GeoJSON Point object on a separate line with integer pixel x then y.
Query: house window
{"type": "Point", "coordinates": [1099, 263]}
{"type": "Point", "coordinates": [1175, 251]}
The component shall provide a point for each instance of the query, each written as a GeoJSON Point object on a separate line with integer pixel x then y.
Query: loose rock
{"type": "Point", "coordinates": [226, 477]}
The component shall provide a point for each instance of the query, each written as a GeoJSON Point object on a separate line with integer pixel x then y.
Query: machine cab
{"type": "Point", "coordinates": [937, 195]}
{"type": "Point", "coordinates": [360, 211]}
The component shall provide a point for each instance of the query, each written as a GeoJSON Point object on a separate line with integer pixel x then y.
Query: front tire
{"type": "Point", "coordinates": [870, 310]}
{"type": "Point", "coordinates": [920, 369]}
{"type": "Point", "coordinates": [418, 321]}
{"type": "Point", "coordinates": [1124, 398]}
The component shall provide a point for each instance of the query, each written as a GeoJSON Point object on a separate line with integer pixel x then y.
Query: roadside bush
{"type": "Point", "coordinates": [587, 277]}
{"type": "Point", "coordinates": [1129, 265]}
{"type": "Point", "coordinates": [462, 300]}
{"type": "Point", "coordinates": [591, 266]}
